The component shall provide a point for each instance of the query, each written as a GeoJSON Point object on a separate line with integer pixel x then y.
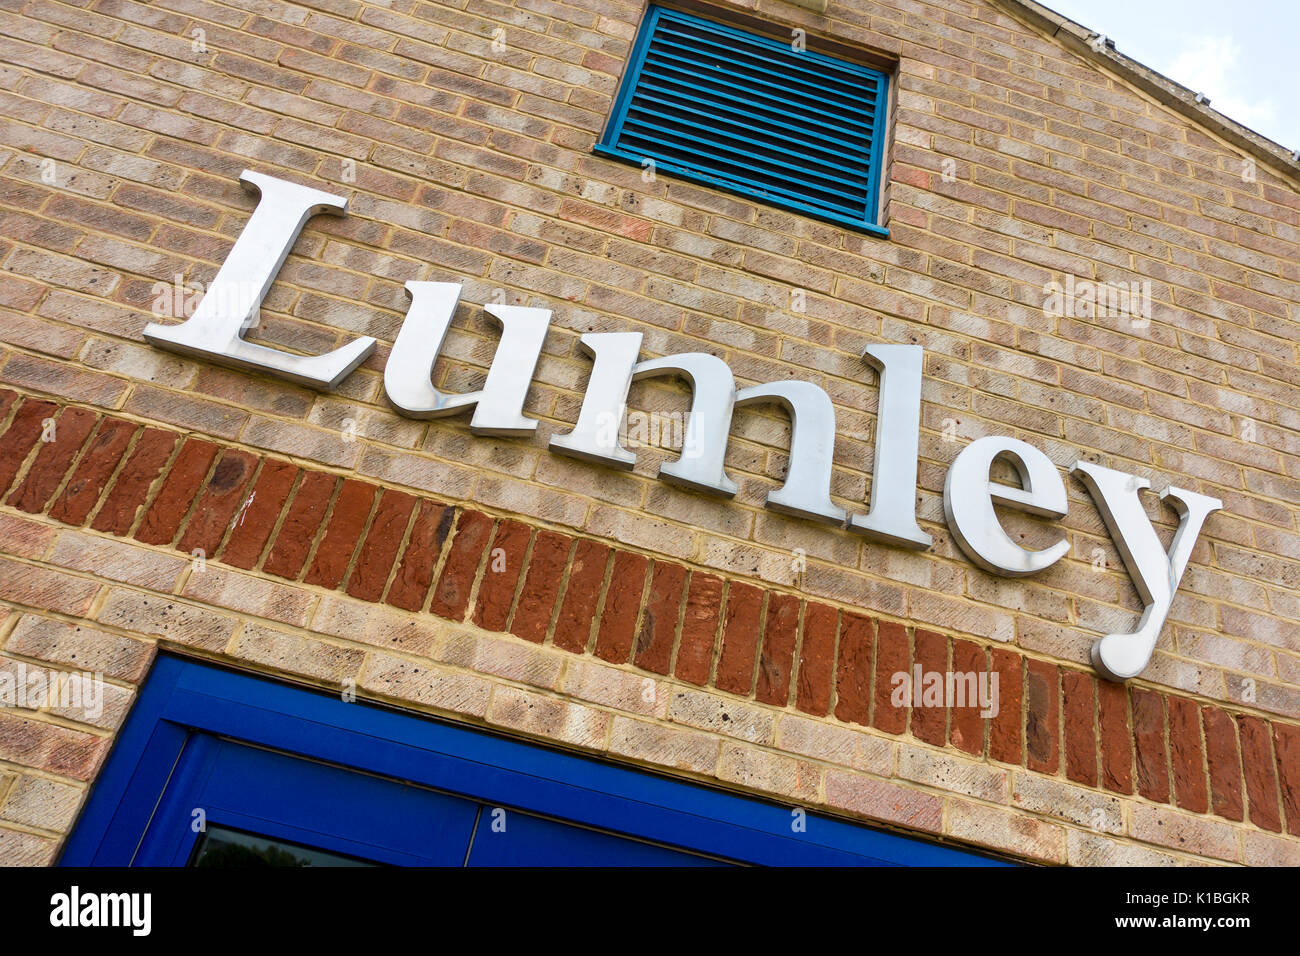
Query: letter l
{"type": "Point", "coordinates": [215, 331]}
{"type": "Point", "coordinates": [892, 516]}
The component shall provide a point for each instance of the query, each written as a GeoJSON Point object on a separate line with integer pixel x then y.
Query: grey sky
{"type": "Point", "coordinates": [1242, 55]}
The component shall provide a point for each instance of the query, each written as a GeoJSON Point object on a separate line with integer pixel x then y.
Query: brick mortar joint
{"type": "Point", "coordinates": [820, 802]}
{"type": "Point", "coordinates": [778, 713]}
{"type": "Point", "coordinates": [1041, 62]}
{"type": "Point", "coordinates": [469, 504]}
{"type": "Point", "coordinates": [1065, 414]}
{"type": "Point", "coordinates": [657, 222]}
{"type": "Point", "coordinates": [1233, 708]}
{"type": "Point", "coordinates": [462, 507]}
{"type": "Point", "coordinates": [17, 827]}
{"type": "Point", "coordinates": [132, 384]}
{"type": "Point", "coordinates": [632, 670]}
{"type": "Point", "coordinates": [527, 294]}
{"type": "Point", "coordinates": [1152, 102]}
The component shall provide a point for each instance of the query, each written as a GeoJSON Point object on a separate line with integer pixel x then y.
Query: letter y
{"type": "Point", "coordinates": [1155, 574]}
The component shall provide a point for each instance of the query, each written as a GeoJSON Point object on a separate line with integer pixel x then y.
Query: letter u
{"type": "Point", "coordinates": [499, 404]}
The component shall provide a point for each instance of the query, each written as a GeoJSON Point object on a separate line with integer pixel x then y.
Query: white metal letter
{"type": "Point", "coordinates": [713, 396]}
{"type": "Point", "coordinates": [215, 330]}
{"type": "Point", "coordinates": [595, 437]}
{"type": "Point", "coordinates": [807, 489]}
{"type": "Point", "coordinates": [1155, 573]}
{"type": "Point", "coordinates": [968, 497]}
{"type": "Point", "coordinates": [499, 404]}
{"type": "Point", "coordinates": [892, 516]}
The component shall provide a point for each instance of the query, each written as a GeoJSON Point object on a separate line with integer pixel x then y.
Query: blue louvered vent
{"type": "Point", "coordinates": [752, 115]}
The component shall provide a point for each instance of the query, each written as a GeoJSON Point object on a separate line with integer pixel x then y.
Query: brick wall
{"type": "Point", "coordinates": [337, 541]}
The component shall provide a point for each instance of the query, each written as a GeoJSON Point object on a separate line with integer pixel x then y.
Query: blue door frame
{"type": "Point", "coordinates": [359, 779]}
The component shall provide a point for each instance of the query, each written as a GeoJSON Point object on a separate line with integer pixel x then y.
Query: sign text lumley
{"type": "Point", "coordinates": [215, 332]}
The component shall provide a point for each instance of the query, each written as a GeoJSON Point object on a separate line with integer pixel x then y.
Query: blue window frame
{"type": "Point", "coordinates": [306, 770]}
{"type": "Point", "coordinates": [754, 116]}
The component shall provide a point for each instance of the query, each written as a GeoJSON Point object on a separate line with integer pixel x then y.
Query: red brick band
{"type": "Point", "coordinates": [385, 545]}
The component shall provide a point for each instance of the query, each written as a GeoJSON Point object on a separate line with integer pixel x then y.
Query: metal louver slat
{"type": "Point", "coordinates": [835, 166]}
{"type": "Point", "coordinates": [717, 170]}
{"type": "Point", "coordinates": [811, 77]}
{"type": "Point", "coordinates": [816, 138]}
{"type": "Point", "coordinates": [716, 93]}
{"type": "Point", "coordinates": [748, 83]}
{"type": "Point", "coordinates": [683, 25]}
{"type": "Point", "coordinates": [753, 115]}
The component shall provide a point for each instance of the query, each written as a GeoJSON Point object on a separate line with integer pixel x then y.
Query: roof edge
{"type": "Point", "coordinates": [1081, 40]}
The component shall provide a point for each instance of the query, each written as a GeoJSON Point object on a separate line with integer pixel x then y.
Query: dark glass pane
{"type": "Point", "coordinates": [223, 847]}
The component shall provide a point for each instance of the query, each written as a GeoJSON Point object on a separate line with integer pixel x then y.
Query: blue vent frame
{"type": "Point", "coordinates": [833, 110]}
